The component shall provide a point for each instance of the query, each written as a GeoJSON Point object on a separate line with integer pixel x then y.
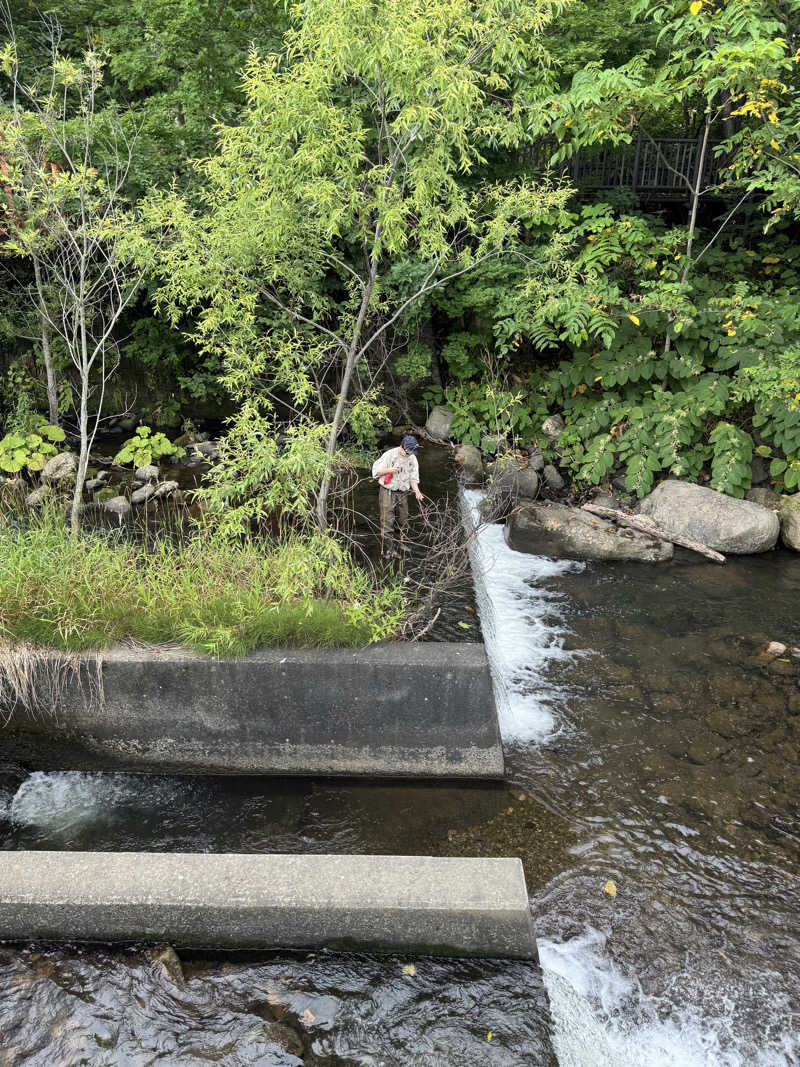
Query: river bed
{"type": "Point", "coordinates": [653, 789]}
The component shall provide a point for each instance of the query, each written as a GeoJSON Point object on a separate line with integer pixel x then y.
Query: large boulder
{"type": "Point", "coordinates": [142, 495]}
{"type": "Point", "coordinates": [439, 422]}
{"type": "Point", "coordinates": [790, 522]}
{"type": "Point", "coordinates": [570, 533]}
{"type": "Point", "coordinates": [60, 470]}
{"type": "Point", "coordinates": [468, 458]}
{"type": "Point", "coordinates": [722, 522]}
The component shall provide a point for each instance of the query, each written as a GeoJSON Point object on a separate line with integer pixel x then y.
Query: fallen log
{"type": "Point", "coordinates": [644, 527]}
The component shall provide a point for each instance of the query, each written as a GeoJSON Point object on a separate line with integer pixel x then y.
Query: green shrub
{"type": "Point", "coordinates": [30, 450]}
{"type": "Point", "coordinates": [145, 447]}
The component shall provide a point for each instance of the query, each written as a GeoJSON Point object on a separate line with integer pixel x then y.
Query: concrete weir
{"type": "Point", "coordinates": [409, 904]}
{"type": "Point", "coordinates": [391, 710]}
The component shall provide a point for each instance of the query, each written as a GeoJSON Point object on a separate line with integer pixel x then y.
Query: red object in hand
{"type": "Point", "coordinates": [387, 478]}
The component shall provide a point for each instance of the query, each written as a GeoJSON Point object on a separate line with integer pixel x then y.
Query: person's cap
{"type": "Point", "coordinates": [409, 444]}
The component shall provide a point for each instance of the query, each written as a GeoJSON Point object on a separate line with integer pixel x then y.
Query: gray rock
{"type": "Point", "coordinates": [91, 485]}
{"type": "Point", "coordinates": [722, 522]}
{"type": "Point", "coordinates": [765, 497]}
{"type": "Point", "coordinates": [570, 533]}
{"type": "Point", "coordinates": [468, 457]}
{"type": "Point", "coordinates": [536, 462]}
{"type": "Point", "coordinates": [790, 522]}
{"type": "Point", "coordinates": [141, 496]}
{"type": "Point", "coordinates": [61, 469]}
{"type": "Point", "coordinates": [38, 496]}
{"type": "Point", "coordinates": [146, 474]}
{"type": "Point", "coordinates": [553, 477]}
{"type": "Point", "coordinates": [167, 961]}
{"type": "Point", "coordinates": [439, 422]}
{"type": "Point", "coordinates": [128, 423]}
{"type": "Point", "coordinates": [606, 500]}
{"type": "Point", "coordinates": [552, 426]}
{"type": "Point", "coordinates": [759, 472]}
{"type": "Point", "coordinates": [117, 505]}
{"type": "Point", "coordinates": [509, 477]}
{"type": "Point", "coordinates": [166, 489]}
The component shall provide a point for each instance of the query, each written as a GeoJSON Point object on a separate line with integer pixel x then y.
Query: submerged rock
{"type": "Point", "coordinates": [117, 505]}
{"type": "Point", "coordinates": [148, 473]}
{"type": "Point", "coordinates": [721, 522]}
{"type": "Point", "coordinates": [61, 469]}
{"type": "Point", "coordinates": [439, 422]}
{"type": "Point", "coordinates": [570, 533]}
{"type": "Point", "coordinates": [468, 457]}
{"type": "Point", "coordinates": [166, 960]}
{"type": "Point", "coordinates": [790, 522]}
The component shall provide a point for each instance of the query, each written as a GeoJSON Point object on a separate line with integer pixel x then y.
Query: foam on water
{"type": "Point", "coordinates": [63, 802]}
{"type": "Point", "coordinates": [602, 1018]}
{"type": "Point", "coordinates": [520, 626]}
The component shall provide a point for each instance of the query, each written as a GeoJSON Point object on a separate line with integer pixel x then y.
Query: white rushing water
{"type": "Point", "coordinates": [65, 803]}
{"type": "Point", "coordinates": [520, 624]}
{"type": "Point", "coordinates": [602, 1018]}
{"type": "Point", "coordinates": [601, 1015]}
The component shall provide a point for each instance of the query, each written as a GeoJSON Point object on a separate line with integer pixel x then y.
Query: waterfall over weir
{"type": "Point", "coordinates": [520, 625]}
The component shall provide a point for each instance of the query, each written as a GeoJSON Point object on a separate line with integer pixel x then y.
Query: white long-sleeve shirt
{"type": "Point", "coordinates": [407, 470]}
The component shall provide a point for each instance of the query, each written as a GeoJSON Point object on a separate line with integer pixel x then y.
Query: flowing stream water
{"type": "Point", "coordinates": [652, 795]}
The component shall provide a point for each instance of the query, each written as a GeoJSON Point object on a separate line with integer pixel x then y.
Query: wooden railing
{"type": "Point", "coordinates": [666, 166]}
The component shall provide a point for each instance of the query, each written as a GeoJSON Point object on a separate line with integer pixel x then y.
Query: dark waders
{"type": "Point", "coordinates": [393, 505]}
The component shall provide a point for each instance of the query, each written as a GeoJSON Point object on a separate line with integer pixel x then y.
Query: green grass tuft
{"type": "Point", "coordinates": [208, 594]}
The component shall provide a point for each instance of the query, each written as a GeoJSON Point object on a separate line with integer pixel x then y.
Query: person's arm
{"type": "Point", "coordinates": [415, 479]}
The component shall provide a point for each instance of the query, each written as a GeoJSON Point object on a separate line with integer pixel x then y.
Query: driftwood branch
{"type": "Point", "coordinates": [644, 527]}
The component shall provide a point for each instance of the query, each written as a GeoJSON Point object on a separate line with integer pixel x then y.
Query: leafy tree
{"type": "Point", "coordinates": [68, 216]}
{"type": "Point", "coordinates": [339, 201]}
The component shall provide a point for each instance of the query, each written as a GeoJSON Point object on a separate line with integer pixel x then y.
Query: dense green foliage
{"type": "Point", "coordinates": [368, 231]}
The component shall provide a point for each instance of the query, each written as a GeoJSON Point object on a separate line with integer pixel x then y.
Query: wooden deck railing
{"type": "Point", "coordinates": [646, 167]}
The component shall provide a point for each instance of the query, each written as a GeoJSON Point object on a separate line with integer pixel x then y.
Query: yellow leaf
{"type": "Point", "coordinates": [610, 889]}
{"type": "Point", "coordinates": [696, 7]}
{"type": "Point", "coordinates": [634, 320]}
{"type": "Point", "coordinates": [774, 144]}
{"type": "Point", "coordinates": [409, 969]}
{"type": "Point", "coordinates": [770, 259]}
{"type": "Point", "coordinates": [731, 333]}
{"type": "Point", "coordinates": [309, 1018]}
{"type": "Point", "coordinates": [489, 1036]}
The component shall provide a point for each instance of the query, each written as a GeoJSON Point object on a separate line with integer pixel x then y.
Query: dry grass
{"type": "Point", "coordinates": [32, 680]}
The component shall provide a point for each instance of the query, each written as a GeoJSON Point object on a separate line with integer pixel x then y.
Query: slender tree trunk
{"type": "Point", "coordinates": [338, 415]}
{"type": "Point", "coordinates": [696, 193]}
{"type": "Point", "coordinates": [46, 335]}
{"type": "Point", "coordinates": [83, 420]}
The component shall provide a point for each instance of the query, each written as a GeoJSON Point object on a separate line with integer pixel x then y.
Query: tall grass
{"type": "Point", "coordinates": [214, 596]}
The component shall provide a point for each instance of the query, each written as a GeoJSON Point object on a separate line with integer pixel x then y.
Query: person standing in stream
{"type": "Point", "coordinates": [397, 474]}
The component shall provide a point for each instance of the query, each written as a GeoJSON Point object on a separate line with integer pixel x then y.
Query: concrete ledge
{"type": "Point", "coordinates": [400, 709]}
{"type": "Point", "coordinates": [451, 907]}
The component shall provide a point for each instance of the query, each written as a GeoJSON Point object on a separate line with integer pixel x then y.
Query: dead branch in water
{"type": "Point", "coordinates": [644, 527]}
